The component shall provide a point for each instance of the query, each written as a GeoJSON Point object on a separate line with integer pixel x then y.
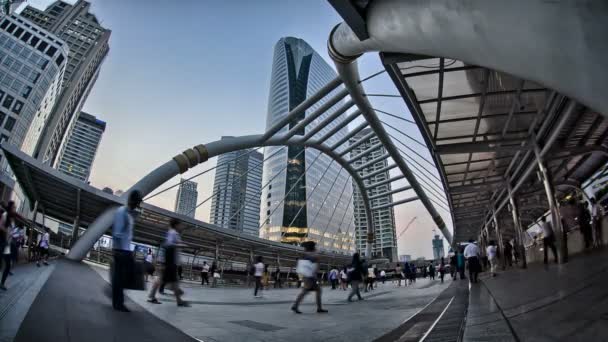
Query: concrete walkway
{"type": "Point", "coordinates": [556, 303]}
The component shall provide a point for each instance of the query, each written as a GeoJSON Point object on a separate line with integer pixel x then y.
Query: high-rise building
{"type": "Point", "coordinates": [185, 202]}
{"type": "Point", "coordinates": [78, 153]}
{"type": "Point", "coordinates": [32, 64]}
{"type": "Point", "coordinates": [300, 202]}
{"type": "Point", "coordinates": [88, 44]}
{"type": "Point", "coordinates": [438, 252]}
{"type": "Point", "coordinates": [385, 236]}
{"type": "Point", "coordinates": [237, 189]}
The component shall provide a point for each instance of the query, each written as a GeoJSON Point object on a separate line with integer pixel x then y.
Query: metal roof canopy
{"type": "Point", "coordinates": [56, 194]}
{"type": "Point", "coordinates": [479, 124]}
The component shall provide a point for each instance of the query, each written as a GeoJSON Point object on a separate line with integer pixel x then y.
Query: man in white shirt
{"type": "Point", "coordinates": [471, 253]}
{"type": "Point", "coordinates": [491, 252]}
{"type": "Point", "coordinates": [548, 240]}
{"type": "Point", "coordinates": [258, 271]}
{"type": "Point", "coordinates": [205, 274]}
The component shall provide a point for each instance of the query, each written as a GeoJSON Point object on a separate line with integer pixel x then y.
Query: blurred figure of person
{"type": "Point", "coordinates": [471, 253]}
{"type": "Point", "coordinates": [460, 263]}
{"type": "Point", "coordinates": [548, 240]}
{"type": "Point", "coordinates": [266, 278]}
{"type": "Point", "coordinates": [7, 224]}
{"type": "Point", "coordinates": [205, 274]}
{"type": "Point", "coordinates": [43, 247]}
{"type": "Point", "coordinates": [170, 275]}
{"type": "Point", "coordinates": [258, 272]}
{"type": "Point", "coordinates": [122, 234]}
{"type": "Point", "coordinates": [371, 277]}
{"type": "Point", "coordinates": [585, 224]}
{"type": "Point", "coordinates": [308, 268]}
{"type": "Point", "coordinates": [507, 251]}
{"type": "Point", "coordinates": [383, 276]}
{"type": "Point", "coordinates": [149, 264]}
{"type": "Point", "coordinates": [432, 271]}
{"type": "Point", "coordinates": [180, 271]}
{"type": "Point", "coordinates": [454, 266]}
{"type": "Point", "coordinates": [596, 222]}
{"type": "Point", "coordinates": [17, 240]}
{"type": "Point", "coordinates": [355, 272]}
{"type": "Point", "coordinates": [441, 269]}
{"type": "Point", "coordinates": [424, 271]}
{"type": "Point", "coordinates": [333, 278]}
{"type": "Point", "coordinates": [491, 251]}
{"type": "Point", "coordinates": [277, 279]}
{"type": "Point", "coordinates": [344, 278]}
{"type": "Point", "coordinates": [214, 274]}
{"type": "Point", "coordinates": [399, 274]}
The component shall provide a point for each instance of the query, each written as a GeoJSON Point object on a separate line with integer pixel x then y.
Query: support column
{"type": "Point", "coordinates": [76, 226]}
{"type": "Point", "coordinates": [31, 235]}
{"type": "Point", "coordinates": [556, 221]}
{"type": "Point", "coordinates": [519, 241]}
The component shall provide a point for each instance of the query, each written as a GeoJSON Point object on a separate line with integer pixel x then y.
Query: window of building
{"type": "Point", "coordinates": [10, 123]}
{"type": "Point", "coordinates": [18, 32]}
{"type": "Point", "coordinates": [51, 51]}
{"type": "Point", "coordinates": [42, 46]}
{"type": "Point", "coordinates": [8, 101]}
{"type": "Point", "coordinates": [25, 93]}
{"type": "Point", "coordinates": [3, 138]}
{"type": "Point", "coordinates": [11, 28]}
{"type": "Point", "coordinates": [59, 60]}
{"type": "Point", "coordinates": [26, 37]}
{"type": "Point", "coordinates": [4, 24]}
{"type": "Point", "coordinates": [17, 107]}
{"type": "Point", "coordinates": [34, 41]}
{"type": "Point", "coordinates": [2, 117]}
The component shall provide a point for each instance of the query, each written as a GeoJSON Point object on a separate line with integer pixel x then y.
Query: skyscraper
{"type": "Point", "coordinates": [237, 189]}
{"type": "Point", "coordinates": [78, 153]}
{"type": "Point", "coordinates": [438, 252]}
{"type": "Point", "coordinates": [185, 202]}
{"type": "Point", "coordinates": [385, 244]}
{"type": "Point", "coordinates": [300, 203]}
{"type": "Point", "coordinates": [32, 64]}
{"type": "Point", "coordinates": [88, 44]}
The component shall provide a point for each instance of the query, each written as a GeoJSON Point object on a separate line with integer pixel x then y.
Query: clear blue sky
{"type": "Point", "coordinates": [182, 73]}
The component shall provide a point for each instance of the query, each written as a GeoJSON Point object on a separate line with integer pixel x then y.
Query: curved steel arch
{"type": "Point", "coordinates": [559, 44]}
{"type": "Point", "coordinates": [198, 155]}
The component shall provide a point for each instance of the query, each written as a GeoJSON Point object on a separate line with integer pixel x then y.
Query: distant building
{"type": "Point", "coordinates": [32, 64]}
{"type": "Point", "coordinates": [385, 235]}
{"type": "Point", "coordinates": [185, 202]}
{"type": "Point", "coordinates": [438, 251]}
{"type": "Point", "coordinates": [237, 189]}
{"type": "Point", "coordinates": [78, 153]}
{"type": "Point", "coordinates": [88, 44]}
{"type": "Point", "coordinates": [405, 258]}
{"type": "Point", "coordinates": [291, 212]}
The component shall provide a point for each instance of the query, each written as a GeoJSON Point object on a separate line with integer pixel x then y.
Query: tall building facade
{"type": "Point", "coordinates": [237, 190]}
{"type": "Point", "coordinates": [302, 201]}
{"type": "Point", "coordinates": [78, 153]}
{"type": "Point", "coordinates": [185, 202]}
{"type": "Point", "coordinates": [88, 44]}
{"type": "Point", "coordinates": [32, 65]}
{"type": "Point", "coordinates": [385, 242]}
{"type": "Point", "coordinates": [438, 251]}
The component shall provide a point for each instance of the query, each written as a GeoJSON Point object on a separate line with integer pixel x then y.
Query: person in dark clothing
{"type": "Point", "coordinates": [548, 240]}
{"type": "Point", "coordinates": [460, 263]}
{"type": "Point", "coordinates": [454, 266]}
{"type": "Point", "coordinates": [213, 272]}
{"type": "Point", "coordinates": [442, 269]}
{"type": "Point", "coordinates": [508, 253]}
{"type": "Point", "coordinates": [355, 273]}
{"type": "Point", "coordinates": [432, 271]}
{"type": "Point", "coordinates": [309, 275]}
{"type": "Point", "coordinates": [585, 224]}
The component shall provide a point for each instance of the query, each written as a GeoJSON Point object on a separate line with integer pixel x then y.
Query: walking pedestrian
{"type": "Point", "coordinates": [507, 252]}
{"type": "Point", "coordinates": [43, 248]}
{"type": "Point", "coordinates": [214, 274]}
{"type": "Point", "coordinates": [170, 275]}
{"type": "Point", "coordinates": [333, 278]}
{"type": "Point", "coordinates": [355, 273]}
{"type": "Point", "coordinates": [383, 276]}
{"type": "Point", "coordinates": [344, 278]}
{"type": "Point", "coordinates": [548, 240]}
{"type": "Point", "coordinates": [122, 234]}
{"type": "Point", "coordinates": [453, 266]}
{"type": "Point", "coordinates": [205, 274]}
{"type": "Point", "coordinates": [399, 274]}
{"type": "Point", "coordinates": [258, 272]}
{"type": "Point", "coordinates": [442, 269]}
{"type": "Point", "coordinates": [471, 253]}
{"type": "Point", "coordinates": [17, 238]}
{"type": "Point", "coordinates": [432, 271]}
{"type": "Point", "coordinates": [460, 263]}
{"type": "Point", "coordinates": [7, 223]}
{"type": "Point", "coordinates": [491, 252]}
{"type": "Point", "coordinates": [307, 268]}
{"type": "Point", "coordinates": [149, 264]}
{"type": "Point", "coordinates": [371, 276]}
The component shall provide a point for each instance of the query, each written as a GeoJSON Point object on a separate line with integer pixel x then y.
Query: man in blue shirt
{"type": "Point", "coordinates": [122, 235]}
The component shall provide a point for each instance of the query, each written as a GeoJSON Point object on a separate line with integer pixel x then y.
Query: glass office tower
{"type": "Point", "coordinates": [303, 201]}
